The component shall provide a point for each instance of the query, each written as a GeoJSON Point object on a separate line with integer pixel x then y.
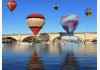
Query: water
{"type": "Point", "coordinates": [54, 56]}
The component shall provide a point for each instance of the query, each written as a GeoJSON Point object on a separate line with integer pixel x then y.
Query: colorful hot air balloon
{"type": "Point", "coordinates": [69, 22]}
{"type": "Point", "coordinates": [35, 22]}
{"type": "Point", "coordinates": [11, 4]}
{"type": "Point", "coordinates": [88, 11]}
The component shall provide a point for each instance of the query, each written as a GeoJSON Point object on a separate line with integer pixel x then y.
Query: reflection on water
{"type": "Point", "coordinates": [35, 63]}
{"type": "Point", "coordinates": [70, 62]}
{"type": "Point", "coordinates": [54, 56]}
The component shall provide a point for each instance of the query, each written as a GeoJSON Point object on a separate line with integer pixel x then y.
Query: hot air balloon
{"type": "Point", "coordinates": [11, 4]}
{"type": "Point", "coordinates": [69, 23]}
{"type": "Point", "coordinates": [35, 22]}
{"type": "Point", "coordinates": [56, 6]}
{"type": "Point", "coordinates": [88, 12]}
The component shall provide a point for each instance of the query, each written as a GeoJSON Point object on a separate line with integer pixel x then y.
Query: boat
{"type": "Point", "coordinates": [26, 43]}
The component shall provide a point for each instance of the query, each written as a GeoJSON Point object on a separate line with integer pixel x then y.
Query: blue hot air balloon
{"type": "Point", "coordinates": [69, 22]}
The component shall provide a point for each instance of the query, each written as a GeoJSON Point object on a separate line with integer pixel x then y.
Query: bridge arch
{"type": "Point", "coordinates": [9, 40]}
{"type": "Point", "coordinates": [29, 39]}
{"type": "Point", "coordinates": [56, 39]}
{"type": "Point", "coordinates": [94, 40]}
{"type": "Point", "coordinates": [60, 37]}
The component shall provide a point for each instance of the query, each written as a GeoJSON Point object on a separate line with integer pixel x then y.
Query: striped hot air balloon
{"type": "Point", "coordinates": [35, 22]}
{"type": "Point", "coordinates": [11, 5]}
{"type": "Point", "coordinates": [69, 22]}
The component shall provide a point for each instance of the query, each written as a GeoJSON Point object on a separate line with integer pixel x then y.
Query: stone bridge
{"type": "Point", "coordinates": [84, 36]}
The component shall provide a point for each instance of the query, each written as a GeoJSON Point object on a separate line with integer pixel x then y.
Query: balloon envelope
{"type": "Point", "coordinates": [35, 22]}
{"type": "Point", "coordinates": [88, 11]}
{"type": "Point", "coordinates": [69, 23]}
{"type": "Point", "coordinates": [56, 6]}
{"type": "Point", "coordinates": [11, 4]}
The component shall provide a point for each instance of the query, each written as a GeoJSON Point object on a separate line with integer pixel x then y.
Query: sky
{"type": "Point", "coordinates": [15, 22]}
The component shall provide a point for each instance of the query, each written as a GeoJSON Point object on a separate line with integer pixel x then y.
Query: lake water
{"type": "Point", "coordinates": [54, 56]}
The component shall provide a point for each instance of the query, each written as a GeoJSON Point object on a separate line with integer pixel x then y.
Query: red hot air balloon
{"type": "Point", "coordinates": [35, 22]}
{"type": "Point", "coordinates": [11, 4]}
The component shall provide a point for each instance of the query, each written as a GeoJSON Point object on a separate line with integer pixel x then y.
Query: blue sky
{"type": "Point", "coordinates": [15, 22]}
